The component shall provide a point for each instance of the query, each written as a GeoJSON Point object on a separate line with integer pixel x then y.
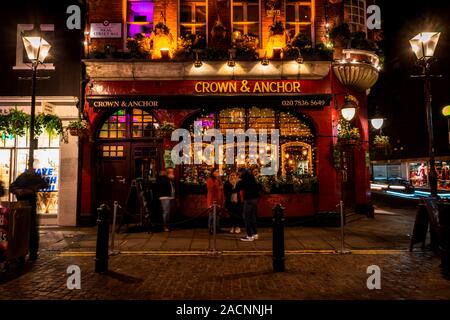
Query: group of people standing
{"type": "Point", "coordinates": [238, 196]}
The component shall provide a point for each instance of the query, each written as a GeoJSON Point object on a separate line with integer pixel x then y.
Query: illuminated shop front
{"type": "Point", "coordinates": [127, 144]}
{"type": "Point", "coordinates": [55, 160]}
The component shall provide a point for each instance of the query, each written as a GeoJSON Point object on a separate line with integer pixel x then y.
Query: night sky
{"type": "Point", "coordinates": [399, 97]}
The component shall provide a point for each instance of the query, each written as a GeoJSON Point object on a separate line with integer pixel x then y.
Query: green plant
{"type": "Point", "coordinates": [166, 126]}
{"type": "Point", "coordinates": [346, 131]}
{"type": "Point", "coordinates": [381, 140]}
{"type": "Point", "coordinates": [51, 124]}
{"type": "Point", "coordinates": [358, 40]}
{"type": "Point", "coordinates": [18, 121]}
{"type": "Point", "coordinates": [78, 125]}
{"type": "Point", "coordinates": [160, 27]}
{"type": "Point", "coordinates": [340, 34]}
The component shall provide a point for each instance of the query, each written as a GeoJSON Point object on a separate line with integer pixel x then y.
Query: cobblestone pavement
{"type": "Point", "coordinates": [177, 267]}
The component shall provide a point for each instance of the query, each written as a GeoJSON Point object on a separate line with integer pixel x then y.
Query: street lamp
{"type": "Point", "coordinates": [37, 49]}
{"type": "Point", "coordinates": [424, 45]}
{"type": "Point", "coordinates": [377, 123]}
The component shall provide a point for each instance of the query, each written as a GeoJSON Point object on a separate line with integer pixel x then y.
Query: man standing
{"type": "Point", "coordinates": [250, 189]}
{"type": "Point", "coordinates": [167, 196]}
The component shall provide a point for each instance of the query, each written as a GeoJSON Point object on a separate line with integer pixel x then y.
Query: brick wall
{"type": "Point", "coordinates": [99, 11]}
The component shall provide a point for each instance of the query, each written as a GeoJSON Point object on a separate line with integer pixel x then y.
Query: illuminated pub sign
{"type": "Point", "coordinates": [220, 93]}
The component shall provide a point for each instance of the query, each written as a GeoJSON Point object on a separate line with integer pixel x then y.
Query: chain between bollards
{"type": "Point", "coordinates": [101, 254]}
{"type": "Point", "coordinates": [278, 250]}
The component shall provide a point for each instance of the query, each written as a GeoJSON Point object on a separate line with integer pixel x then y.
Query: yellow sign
{"type": "Point", "coordinates": [247, 86]}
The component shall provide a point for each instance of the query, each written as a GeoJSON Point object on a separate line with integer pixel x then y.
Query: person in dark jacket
{"type": "Point", "coordinates": [233, 202]}
{"type": "Point", "coordinates": [250, 192]}
{"type": "Point", "coordinates": [166, 184]}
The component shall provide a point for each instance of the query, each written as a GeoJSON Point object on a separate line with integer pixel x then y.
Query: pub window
{"type": "Point", "coordinates": [112, 151]}
{"type": "Point", "coordinates": [299, 18]}
{"type": "Point", "coordinates": [355, 11]}
{"type": "Point", "coordinates": [296, 140]}
{"type": "Point", "coordinates": [193, 18]}
{"type": "Point", "coordinates": [245, 17]}
{"type": "Point", "coordinates": [140, 17]}
{"type": "Point", "coordinates": [144, 124]}
{"type": "Point", "coordinates": [115, 127]}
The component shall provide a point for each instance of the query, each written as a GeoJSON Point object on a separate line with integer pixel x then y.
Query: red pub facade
{"type": "Point", "coordinates": [147, 81]}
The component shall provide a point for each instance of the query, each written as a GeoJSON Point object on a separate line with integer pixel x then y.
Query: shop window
{"type": "Point", "coordinates": [246, 18]}
{"type": "Point", "coordinates": [296, 140]}
{"type": "Point", "coordinates": [356, 15]}
{"type": "Point", "coordinates": [193, 18]}
{"type": "Point", "coordinates": [299, 18]}
{"type": "Point", "coordinates": [140, 17]}
{"type": "Point", "coordinates": [296, 158]}
{"type": "Point", "coordinates": [112, 151]}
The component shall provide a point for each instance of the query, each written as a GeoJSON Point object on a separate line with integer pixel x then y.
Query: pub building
{"type": "Point", "coordinates": [154, 66]}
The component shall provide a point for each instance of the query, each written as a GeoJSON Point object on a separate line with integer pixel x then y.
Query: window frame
{"type": "Point", "coordinates": [129, 23]}
{"type": "Point", "coordinates": [245, 23]}
{"type": "Point", "coordinates": [193, 24]}
{"type": "Point", "coordinates": [298, 25]}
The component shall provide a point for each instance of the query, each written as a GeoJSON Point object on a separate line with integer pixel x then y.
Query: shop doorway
{"type": "Point", "coordinates": [348, 178]}
{"type": "Point", "coordinates": [127, 150]}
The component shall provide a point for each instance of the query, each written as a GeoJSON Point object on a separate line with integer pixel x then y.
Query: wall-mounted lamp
{"type": "Point", "coordinates": [348, 110]}
{"type": "Point", "coordinates": [265, 61]}
{"type": "Point", "coordinates": [197, 63]}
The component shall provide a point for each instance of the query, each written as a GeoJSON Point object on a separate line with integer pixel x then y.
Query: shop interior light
{"type": "Point", "coordinates": [424, 44]}
{"type": "Point", "coordinates": [37, 48]}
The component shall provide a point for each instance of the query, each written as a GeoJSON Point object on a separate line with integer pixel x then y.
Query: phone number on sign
{"type": "Point", "coordinates": [303, 103]}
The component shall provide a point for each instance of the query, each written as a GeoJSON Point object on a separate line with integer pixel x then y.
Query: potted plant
{"type": "Point", "coordinates": [348, 135]}
{"type": "Point", "coordinates": [78, 127]}
{"type": "Point", "coordinates": [51, 124]}
{"type": "Point", "coordinates": [18, 123]}
{"type": "Point", "coordinates": [276, 28]}
{"type": "Point", "coordinates": [340, 35]}
{"type": "Point", "coordinates": [165, 130]}
{"type": "Point", "coordinates": [381, 141]}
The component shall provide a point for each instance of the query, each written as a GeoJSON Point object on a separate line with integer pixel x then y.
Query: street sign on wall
{"type": "Point", "coordinates": [106, 29]}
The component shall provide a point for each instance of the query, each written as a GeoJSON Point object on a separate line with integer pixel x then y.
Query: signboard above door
{"type": "Point", "coordinates": [106, 30]}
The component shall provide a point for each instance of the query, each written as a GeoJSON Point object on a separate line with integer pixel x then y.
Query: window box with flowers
{"type": "Point", "coordinates": [348, 135]}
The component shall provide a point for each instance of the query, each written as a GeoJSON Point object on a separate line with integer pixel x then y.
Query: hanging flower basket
{"type": "Point", "coordinates": [78, 128]}
{"type": "Point", "coordinates": [349, 142]}
{"type": "Point", "coordinates": [165, 130]}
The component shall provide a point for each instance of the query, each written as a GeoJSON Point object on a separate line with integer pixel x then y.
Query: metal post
{"type": "Point", "coordinates": [113, 229]}
{"type": "Point", "coordinates": [101, 254]}
{"type": "Point", "coordinates": [214, 225]}
{"type": "Point", "coordinates": [343, 250]}
{"type": "Point", "coordinates": [432, 175]}
{"type": "Point", "coordinates": [278, 250]}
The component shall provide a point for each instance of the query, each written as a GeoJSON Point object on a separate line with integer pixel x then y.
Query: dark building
{"type": "Point", "coordinates": [58, 93]}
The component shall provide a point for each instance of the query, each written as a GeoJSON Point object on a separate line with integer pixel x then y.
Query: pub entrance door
{"type": "Point", "coordinates": [127, 150]}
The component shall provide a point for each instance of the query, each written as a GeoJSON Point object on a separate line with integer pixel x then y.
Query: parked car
{"type": "Point", "coordinates": [392, 184]}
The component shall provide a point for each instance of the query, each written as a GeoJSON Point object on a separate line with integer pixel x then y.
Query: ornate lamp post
{"type": "Point", "coordinates": [37, 49]}
{"type": "Point", "coordinates": [424, 45]}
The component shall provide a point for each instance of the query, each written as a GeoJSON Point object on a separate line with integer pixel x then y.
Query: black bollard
{"type": "Point", "coordinates": [278, 254]}
{"type": "Point", "coordinates": [101, 255]}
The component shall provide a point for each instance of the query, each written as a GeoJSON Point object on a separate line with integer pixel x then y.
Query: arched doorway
{"type": "Point", "coordinates": [127, 149]}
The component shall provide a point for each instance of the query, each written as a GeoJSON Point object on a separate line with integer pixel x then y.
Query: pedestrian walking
{"type": "Point", "coordinates": [167, 196]}
{"type": "Point", "coordinates": [250, 192]}
{"type": "Point", "coordinates": [214, 186]}
{"type": "Point", "coordinates": [233, 202]}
